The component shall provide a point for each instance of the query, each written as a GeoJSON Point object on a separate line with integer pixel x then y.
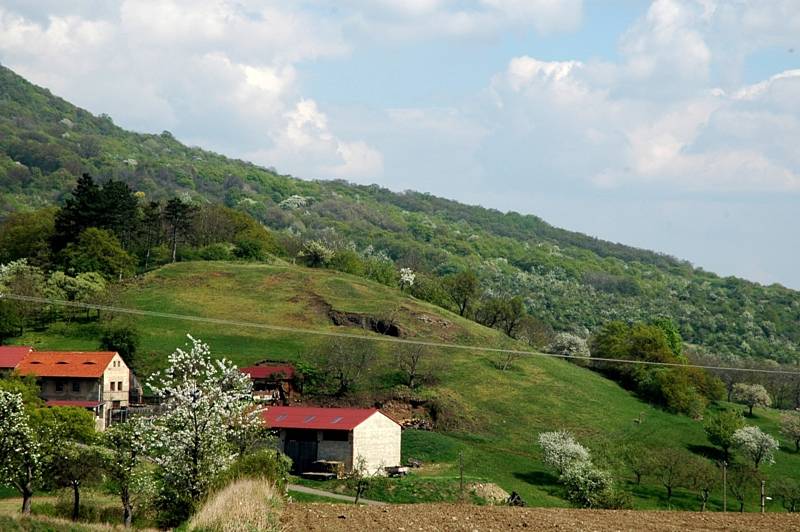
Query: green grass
{"type": "Point", "coordinates": [298, 496]}
{"type": "Point", "coordinates": [501, 412]}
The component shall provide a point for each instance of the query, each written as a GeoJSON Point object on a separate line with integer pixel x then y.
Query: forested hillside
{"type": "Point", "coordinates": [565, 280]}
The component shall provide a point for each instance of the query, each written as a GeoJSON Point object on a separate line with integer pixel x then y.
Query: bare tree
{"type": "Point", "coordinates": [670, 467]}
{"type": "Point", "coordinates": [416, 364]}
{"type": "Point", "coordinates": [344, 362]}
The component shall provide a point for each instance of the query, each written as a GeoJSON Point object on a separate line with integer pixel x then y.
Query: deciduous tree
{"type": "Point", "coordinates": [758, 446]}
{"type": "Point", "coordinates": [20, 458]}
{"type": "Point", "coordinates": [720, 428]}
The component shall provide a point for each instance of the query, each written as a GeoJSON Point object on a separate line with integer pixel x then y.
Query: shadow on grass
{"type": "Point", "coordinates": [538, 478]}
{"type": "Point", "coordinates": [707, 451]}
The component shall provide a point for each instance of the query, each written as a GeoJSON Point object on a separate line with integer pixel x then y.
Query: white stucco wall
{"type": "Point", "coordinates": [377, 441]}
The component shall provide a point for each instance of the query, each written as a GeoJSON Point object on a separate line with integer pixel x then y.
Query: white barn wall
{"type": "Point", "coordinates": [377, 441]}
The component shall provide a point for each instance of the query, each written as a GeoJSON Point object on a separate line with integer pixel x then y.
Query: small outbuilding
{"type": "Point", "coordinates": [346, 435]}
{"type": "Point", "coordinates": [273, 382]}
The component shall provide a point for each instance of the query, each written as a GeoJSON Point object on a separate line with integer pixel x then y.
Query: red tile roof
{"type": "Point", "coordinates": [301, 417]}
{"type": "Point", "coordinates": [66, 363]}
{"type": "Point", "coordinates": [11, 355]}
{"type": "Point", "coordinates": [262, 372]}
{"type": "Point", "coordinates": [82, 404]}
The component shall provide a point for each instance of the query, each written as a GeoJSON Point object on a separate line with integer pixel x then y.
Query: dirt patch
{"type": "Point", "coordinates": [430, 517]}
{"type": "Point", "coordinates": [490, 492]}
{"type": "Point", "coordinates": [365, 321]}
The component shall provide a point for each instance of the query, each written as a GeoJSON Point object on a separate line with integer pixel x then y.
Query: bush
{"type": "Point", "coordinates": [247, 504]}
{"type": "Point", "coordinates": [218, 251]}
{"type": "Point", "coordinates": [266, 464]}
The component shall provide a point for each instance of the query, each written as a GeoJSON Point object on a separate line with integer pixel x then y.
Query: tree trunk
{"type": "Point", "coordinates": [174, 243]}
{"type": "Point", "coordinates": [751, 410]}
{"type": "Point", "coordinates": [638, 478]}
{"type": "Point", "coordinates": [76, 501]}
{"type": "Point", "coordinates": [741, 507]}
{"type": "Point", "coordinates": [127, 511]}
{"type": "Point", "coordinates": [27, 495]}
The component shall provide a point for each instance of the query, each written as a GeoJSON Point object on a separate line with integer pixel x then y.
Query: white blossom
{"type": "Point", "coordinates": [208, 402]}
{"type": "Point", "coordinates": [407, 277]}
{"type": "Point", "coordinates": [561, 450]}
{"type": "Point", "coordinates": [756, 445]}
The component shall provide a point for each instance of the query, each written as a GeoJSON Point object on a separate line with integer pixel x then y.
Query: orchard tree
{"type": "Point", "coordinates": [20, 458]}
{"type": "Point", "coordinates": [703, 477]}
{"type": "Point", "coordinates": [751, 395]}
{"type": "Point", "coordinates": [414, 362]}
{"type": "Point", "coordinates": [790, 427]}
{"type": "Point", "coordinates": [720, 428]}
{"type": "Point", "coordinates": [70, 465]}
{"type": "Point", "coordinates": [560, 450]}
{"type": "Point", "coordinates": [756, 445]}
{"type": "Point", "coordinates": [638, 461]}
{"type": "Point", "coordinates": [316, 254]}
{"type": "Point", "coordinates": [407, 277]}
{"type": "Point", "coordinates": [123, 463]}
{"type": "Point", "coordinates": [671, 468]}
{"type": "Point", "coordinates": [462, 289]}
{"type": "Point", "coordinates": [207, 401]}
{"type": "Point", "coordinates": [787, 489]}
{"type": "Point", "coordinates": [742, 482]}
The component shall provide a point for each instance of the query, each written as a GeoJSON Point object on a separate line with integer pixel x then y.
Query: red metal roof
{"type": "Point", "coordinates": [302, 417]}
{"type": "Point", "coordinates": [262, 372]}
{"type": "Point", "coordinates": [82, 404]}
{"type": "Point", "coordinates": [65, 363]}
{"type": "Point", "coordinates": [11, 355]}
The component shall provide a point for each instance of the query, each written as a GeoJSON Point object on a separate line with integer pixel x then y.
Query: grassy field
{"type": "Point", "coordinates": [501, 412]}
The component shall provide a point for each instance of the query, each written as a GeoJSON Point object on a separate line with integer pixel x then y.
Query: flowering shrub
{"type": "Point", "coordinates": [756, 445]}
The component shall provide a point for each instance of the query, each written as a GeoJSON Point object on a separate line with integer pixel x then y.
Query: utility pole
{"type": "Point", "coordinates": [763, 495]}
{"type": "Point", "coordinates": [461, 474]}
{"type": "Point", "coordinates": [724, 486]}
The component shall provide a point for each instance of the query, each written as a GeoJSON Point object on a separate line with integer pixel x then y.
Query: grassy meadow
{"type": "Point", "coordinates": [500, 412]}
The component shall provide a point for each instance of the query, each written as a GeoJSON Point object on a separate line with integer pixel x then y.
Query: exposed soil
{"type": "Point", "coordinates": [365, 321]}
{"type": "Point", "coordinates": [429, 517]}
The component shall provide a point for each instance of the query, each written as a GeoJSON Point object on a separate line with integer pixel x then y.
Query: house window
{"type": "Point", "coordinates": [76, 386]}
{"type": "Point", "coordinates": [59, 386]}
{"type": "Point", "coordinates": [119, 386]}
{"type": "Point", "coordinates": [113, 385]}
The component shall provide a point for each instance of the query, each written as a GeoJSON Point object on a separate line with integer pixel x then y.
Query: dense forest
{"type": "Point", "coordinates": [491, 266]}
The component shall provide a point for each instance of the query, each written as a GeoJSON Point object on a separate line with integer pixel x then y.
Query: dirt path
{"type": "Point", "coordinates": [431, 517]}
{"type": "Point", "coordinates": [331, 495]}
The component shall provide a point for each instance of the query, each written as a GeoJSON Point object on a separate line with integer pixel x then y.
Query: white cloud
{"type": "Point", "coordinates": [216, 72]}
{"type": "Point", "coordinates": [414, 19]}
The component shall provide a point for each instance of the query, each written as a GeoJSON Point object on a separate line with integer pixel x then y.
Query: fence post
{"type": "Point", "coordinates": [724, 486]}
{"type": "Point", "coordinates": [461, 475]}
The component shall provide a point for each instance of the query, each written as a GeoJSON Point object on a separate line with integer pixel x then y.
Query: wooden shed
{"type": "Point", "coordinates": [310, 434]}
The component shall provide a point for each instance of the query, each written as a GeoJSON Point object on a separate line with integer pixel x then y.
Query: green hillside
{"type": "Point", "coordinates": [569, 281]}
{"type": "Point", "coordinates": [492, 416]}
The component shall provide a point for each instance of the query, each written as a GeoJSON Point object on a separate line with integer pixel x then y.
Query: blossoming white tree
{"type": "Point", "coordinates": [20, 459]}
{"type": "Point", "coordinates": [207, 403]}
{"type": "Point", "coordinates": [756, 445]}
{"type": "Point", "coordinates": [751, 395]}
{"type": "Point", "coordinates": [561, 450]}
{"type": "Point", "coordinates": [407, 278]}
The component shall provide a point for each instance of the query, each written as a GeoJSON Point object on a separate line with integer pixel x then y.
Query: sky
{"type": "Point", "coordinates": [672, 125]}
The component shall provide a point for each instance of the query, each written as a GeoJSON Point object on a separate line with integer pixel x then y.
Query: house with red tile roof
{"type": "Point", "coordinates": [98, 381]}
{"type": "Point", "coordinates": [273, 382]}
{"type": "Point", "coordinates": [11, 355]}
{"type": "Point", "coordinates": [347, 435]}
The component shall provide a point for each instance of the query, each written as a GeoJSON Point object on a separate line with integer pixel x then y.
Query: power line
{"type": "Point", "coordinates": [389, 339]}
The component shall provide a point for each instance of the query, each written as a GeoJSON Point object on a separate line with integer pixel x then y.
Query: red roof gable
{"type": "Point", "coordinates": [66, 363]}
{"type": "Point", "coordinates": [301, 417]}
{"type": "Point", "coordinates": [262, 372]}
{"type": "Point", "coordinates": [11, 355]}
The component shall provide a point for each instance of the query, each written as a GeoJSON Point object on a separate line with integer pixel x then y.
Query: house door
{"type": "Point", "coordinates": [301, 447]}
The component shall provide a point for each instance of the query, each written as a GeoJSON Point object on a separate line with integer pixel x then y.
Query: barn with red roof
{"type": "Point", "coordinates": [273, 382]}
{"type": "Point", "coordinates": [347, 435]}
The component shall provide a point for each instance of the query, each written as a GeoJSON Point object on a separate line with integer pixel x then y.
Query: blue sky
{"type": "Point", "coordinates": [671, 125]}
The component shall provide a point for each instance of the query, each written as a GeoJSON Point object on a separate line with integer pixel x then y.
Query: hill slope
{"type": "Point", "coordinates": [492, 416]}
{"type": "Point", "coordinates": [569, 280]}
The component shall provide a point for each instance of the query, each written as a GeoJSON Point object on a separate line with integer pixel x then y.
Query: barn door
{"type": "Point", "coordinates": [303, 453]}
